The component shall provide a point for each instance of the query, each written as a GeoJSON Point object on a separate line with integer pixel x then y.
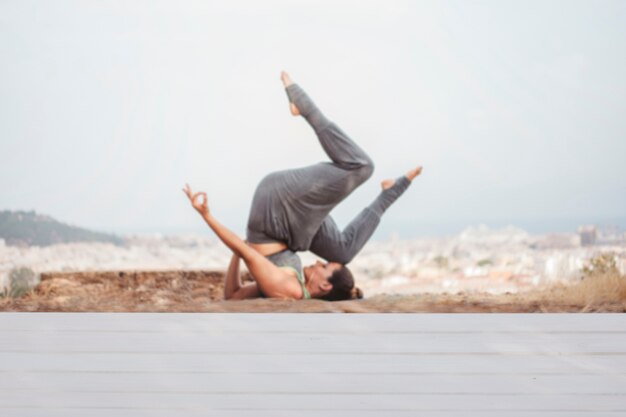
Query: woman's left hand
{"type": "Point", "coordinates": [198, 200]}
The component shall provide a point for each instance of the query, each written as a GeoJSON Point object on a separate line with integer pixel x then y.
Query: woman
{"type": "Point", "coordinates": [289, 213]}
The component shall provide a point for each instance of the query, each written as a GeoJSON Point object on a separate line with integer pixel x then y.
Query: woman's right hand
{"type": "Point", "coordinates": [198, 200]}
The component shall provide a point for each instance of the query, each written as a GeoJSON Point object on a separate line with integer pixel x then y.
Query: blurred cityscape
{"type": "Point", "coordinates": [478, 259]}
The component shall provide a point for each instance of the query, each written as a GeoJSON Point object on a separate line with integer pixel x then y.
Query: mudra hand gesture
{"type": "Point", "coordinates": [198, 200]}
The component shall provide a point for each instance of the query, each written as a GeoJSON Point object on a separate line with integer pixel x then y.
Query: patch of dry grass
{"type": "Point", "coordinates": [592, 292]}
{"type": "Point", "coordinates": [201, 291]}
{"type": "Point", "coordinates": [120, 291]}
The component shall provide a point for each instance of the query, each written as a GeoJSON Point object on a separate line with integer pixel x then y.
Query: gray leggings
{"type": "Point", "coordinates": [293, 206]}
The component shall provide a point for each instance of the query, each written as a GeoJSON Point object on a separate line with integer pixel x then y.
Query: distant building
{"type": "Point", "coordinates": [588, 235]}
{"type": "Point", "coordinates": [557, 241]}
{"type": "Point", "coordinates": [609, 235]}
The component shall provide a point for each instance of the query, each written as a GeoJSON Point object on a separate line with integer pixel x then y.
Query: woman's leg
{"type": "Point", "coordinates": [290, 205]}
{"type": "Point", "coordinates": [342, 246]}
{"type": "Point", "coordinates": [341, 150]}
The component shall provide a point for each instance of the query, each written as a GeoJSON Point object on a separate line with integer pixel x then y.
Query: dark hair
{"type": "Point", "coordinates": [343, 286]}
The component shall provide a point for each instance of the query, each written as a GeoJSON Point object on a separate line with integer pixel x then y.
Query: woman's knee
{"type": "Point", "coordinates": [357, 175]}
{"type": "Point", "coordinates": [365, 171]}
{"type": "Point", "coordinates": [334, 252]}
{"type": "Point", "coordinates": [342, 256]}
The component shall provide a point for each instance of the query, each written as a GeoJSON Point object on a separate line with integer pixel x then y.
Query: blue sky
{"type": "Point", "coordinates": [515, 109]}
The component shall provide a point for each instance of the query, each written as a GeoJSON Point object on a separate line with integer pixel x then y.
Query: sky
{"type": "Point", "coordinates": [515, 109]}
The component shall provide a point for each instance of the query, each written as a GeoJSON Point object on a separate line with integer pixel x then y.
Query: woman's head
{"type": "Point", "coordinates": [331, 281]}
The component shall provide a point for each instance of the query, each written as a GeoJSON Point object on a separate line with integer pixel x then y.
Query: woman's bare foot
{"type": "Point", "coordinates": [388, 183]}
{"type": "Point", "coordinates": [414, 173]}
{"type": "Point", "coordinates": [411, 174]}
{"type": "Point", "coordinates": [286, 79]}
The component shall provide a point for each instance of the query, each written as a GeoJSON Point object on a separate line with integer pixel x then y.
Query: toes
{"type": "Point", "coordinates": [414, 173]}
{"type": "Point", "coordinates": [285, 79]}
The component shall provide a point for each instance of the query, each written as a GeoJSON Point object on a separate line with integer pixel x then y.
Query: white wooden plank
{"type": "Point", "coordinates": [300, 412]}
{"type": "Point", "coordinates": [302, 364]}
{"type": "Point", "coordinates": [305, 323]}
{"type": "Point", "coordinates": [323, 402]}
{"type": "Point", "coordinates": [226, 343]}
{"type": "Point", "coordinates": [289, 383]}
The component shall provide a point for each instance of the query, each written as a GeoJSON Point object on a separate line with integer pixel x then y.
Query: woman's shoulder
{"type": "Point", "coordinates": [296, 285]}
{"type": "Point", "coordinates": [291, 271]}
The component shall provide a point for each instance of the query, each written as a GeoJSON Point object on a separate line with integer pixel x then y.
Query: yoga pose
{"type": "Point", "coordinates": [290, 213]}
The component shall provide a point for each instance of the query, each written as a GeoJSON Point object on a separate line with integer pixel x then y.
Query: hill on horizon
{"type": "Point", "coordinates": [27, 228]}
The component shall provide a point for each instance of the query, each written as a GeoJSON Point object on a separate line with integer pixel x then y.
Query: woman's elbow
{"type": "Point", "coordinates": [234, 296]}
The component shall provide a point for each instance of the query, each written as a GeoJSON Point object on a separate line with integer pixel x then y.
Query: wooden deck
{"type": "Point", "coordinates": [160, 364]}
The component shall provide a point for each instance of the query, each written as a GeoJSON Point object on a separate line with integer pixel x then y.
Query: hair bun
{"type": "Point", "coordinates": [357, 293]}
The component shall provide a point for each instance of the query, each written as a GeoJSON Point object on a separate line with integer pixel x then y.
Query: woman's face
{"type": "Point", "coordinates": [324, 270]}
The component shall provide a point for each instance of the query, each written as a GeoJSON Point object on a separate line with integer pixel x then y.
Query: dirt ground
{"type": "Point", "coordinates": [201, 291]}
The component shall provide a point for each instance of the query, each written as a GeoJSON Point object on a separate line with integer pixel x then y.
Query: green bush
{"type": "Point", "coordinates": [484, 262]}
{"type": "Point", "coordinates": [441, 261]}
{"type": "Point", "coordinates": [21, 281]}
{"type": "Point", "coordinates": [600, 265]}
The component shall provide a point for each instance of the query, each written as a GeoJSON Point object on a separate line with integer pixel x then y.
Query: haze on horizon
{"type": "Point", "coordinates": [515, 109]}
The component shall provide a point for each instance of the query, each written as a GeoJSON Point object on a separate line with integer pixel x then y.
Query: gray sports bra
{"type": "Point", "coordinates": [290, 259]}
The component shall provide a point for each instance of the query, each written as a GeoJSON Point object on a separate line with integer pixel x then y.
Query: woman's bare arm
{"type": "Point", "coordinates": [234, 289]}
{"type": "Point", "coordinates": [271, 280]}
{"type": "Point", "coordinates": [232, 282]}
